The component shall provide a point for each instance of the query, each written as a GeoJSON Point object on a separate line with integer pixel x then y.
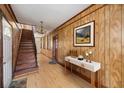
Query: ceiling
{"type": "Point", "coordinates": [52, 15]}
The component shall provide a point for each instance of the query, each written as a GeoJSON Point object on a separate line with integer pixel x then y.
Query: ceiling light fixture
{"type": "Point", "coordinates": [40, 28]}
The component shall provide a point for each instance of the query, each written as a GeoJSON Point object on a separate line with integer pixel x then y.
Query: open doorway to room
{"type": "Point", "coordinates": [55, 47]}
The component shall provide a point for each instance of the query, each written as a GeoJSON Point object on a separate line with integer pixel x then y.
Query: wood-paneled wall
{"type": "Point", "coordinates": [47, 52]}
{"type": "Point", "coordinates": [109, 41]}
{"type": "Point", "coordinates": [122, 46]}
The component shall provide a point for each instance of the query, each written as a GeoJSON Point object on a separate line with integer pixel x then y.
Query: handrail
{"type": "Point", "coordinates": [34, 44]}
{"type": "Point", "coordinates": [19, 41]}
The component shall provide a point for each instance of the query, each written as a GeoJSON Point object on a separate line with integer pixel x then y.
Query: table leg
{"type": "Point", "coordinates": [80, 70]}
{"type": "Point", "coordinates": [93, 79]}
{"type": "Point", "coordinates": [71, 67]}
{"type": "Point", "coordinates": [99, 79]}
{"type": "Point", "coordinates": [65, 66]}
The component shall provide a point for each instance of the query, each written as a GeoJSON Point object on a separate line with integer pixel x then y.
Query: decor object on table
{"type": "Point", "coordinates": [90, 54]}
{"type": "Point", "coordinates": [84, 35]}
{"type": "Point", "coordinates": [87, 54]}
{"type": "Point", "coordinates": [80, 57]}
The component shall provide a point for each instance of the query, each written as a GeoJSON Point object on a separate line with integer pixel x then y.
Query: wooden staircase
{"type": "Point", "coordinates": [27, 55]}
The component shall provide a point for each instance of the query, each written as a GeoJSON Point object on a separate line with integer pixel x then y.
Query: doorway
{"type": "Point", "coordinates": [55, 47]}
{"type": "Point", "coordinates": [5, 52]}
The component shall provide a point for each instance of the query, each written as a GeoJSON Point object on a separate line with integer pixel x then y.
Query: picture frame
{"type": "Point", "coordinates": [84, 35]}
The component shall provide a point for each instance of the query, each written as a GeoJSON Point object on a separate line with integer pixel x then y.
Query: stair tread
{"type": "Point", "coordinates": [26, 51]}
{"type": "Point", "coordinates": [26, 42]}
{"type": "Point", "coordinates": [25, 62]}
{"type": "Point", "coordinates": [27, 54]}
{"type": "Point", "coordinates": [26, 58]}
{"type": "Point", "coordinates": [17, 73]}
{"type": "Point", "coordinates": [26, 47]}
{"type": "Point", "coordinates": [25, 66]}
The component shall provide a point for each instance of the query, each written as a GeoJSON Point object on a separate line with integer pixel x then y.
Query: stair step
{"type": "Point", "coordinates": [24, 57]}
{"type": "Point", "coordinates": [25, 40]}
{"type": "Point", "coordinates": [25, 62]}
{"type": "Point", "coordinates": [25, 66]}
{"type": "Point", "coordinates": [26, 48]}
{"type": "Point", "coordinates": [26, 51]}
{"type": "Point", "coordinates": [26, 45]}
{"type": "Point", "coordinates": [27, 54]}
{"type": "Point", "coordinates": [19, 73]}
{"type": "Point", "coordinates": [21, 59]}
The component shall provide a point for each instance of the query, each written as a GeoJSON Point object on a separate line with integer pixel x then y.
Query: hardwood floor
{"type": "Point", "coordinates": [52, 76]}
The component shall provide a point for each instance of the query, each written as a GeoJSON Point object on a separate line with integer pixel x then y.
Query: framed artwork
{"type": "Point", "coordinates": [84, 35]}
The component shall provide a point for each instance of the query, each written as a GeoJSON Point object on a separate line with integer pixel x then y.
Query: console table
{"type": "Point", "coordinates": [93, 66]}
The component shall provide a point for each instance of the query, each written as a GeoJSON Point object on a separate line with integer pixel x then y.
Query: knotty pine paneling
{"type": "Point", "coordinates": [109, 42]}
{"type": "Point", "coordinates": [60, 47]}
{"type": "Point", "coordinates": [107, 46]}
{"type": "Point", "coordinates": [123, 46]}
{"type": "Point", "coordinates": [115, 45]}
{"type": "Point", "coordinates": [96, 52]}
{"type": "Point", "coordinates": [83, 49]}
{"type": "Point", "coordinates": [76, 24]}
{"type": "Point", "coordinates": [46, 52]}
{"type": "Point", "coordinates": [101, 42]}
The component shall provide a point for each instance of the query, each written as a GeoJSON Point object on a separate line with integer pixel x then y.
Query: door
{"type": "Point", "coordinates": [7, 53]}
{"type": "Point", "coordinates": [55, 47]}
{"type": "Point", "coordinates": [1, 52]}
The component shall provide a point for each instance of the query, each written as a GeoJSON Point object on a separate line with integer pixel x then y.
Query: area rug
{"type": "Point", "coordinates": [53, 61]}
{"type": "Point", "coordinates": [21, 83]}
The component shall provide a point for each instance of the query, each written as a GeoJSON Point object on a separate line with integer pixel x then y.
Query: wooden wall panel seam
{"type": "Point", "coordinates": [122, 46]}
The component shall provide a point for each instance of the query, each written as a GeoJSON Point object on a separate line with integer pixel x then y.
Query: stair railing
{"type": "Point", "coordinates": [34, 44]}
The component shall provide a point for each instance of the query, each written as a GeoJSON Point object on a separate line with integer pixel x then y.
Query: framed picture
{"type": "Point", "coordinates": [84, 35]}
